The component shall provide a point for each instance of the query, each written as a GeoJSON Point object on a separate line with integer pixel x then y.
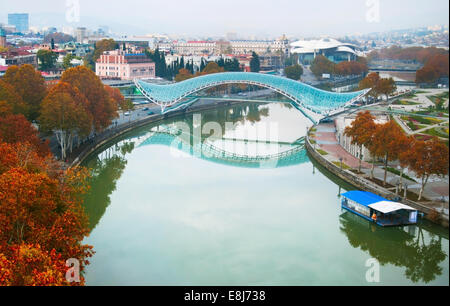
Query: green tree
{"type": "Point", "coordinates": [47, 59]}
{"type": "Point", "coordinates": [255, 63]}
{"type": "Point", "coordinates": [67, 61]}
{"type": "Point", "coordinates": [293, 72]}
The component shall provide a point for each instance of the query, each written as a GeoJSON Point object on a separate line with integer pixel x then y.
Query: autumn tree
{"type": "Point", "coordinates": [29, 85]}
{"type": "Point", "coordinates": [351, 68]}
{"type": "Point", "coordinates": [435, 67]}
{"type": "Point", "coordinates": [16, 128]}
{"type": "Point", "coordinates": [361, 132]}
{"type": "Point", "coordinates": [117, 98]}
{"type": "Point", "coordinates": [104, 45]}
{"type": "Point", "coordinates": [211, 67]}
{"type": "Point", "coordinates": [385, 143]}
{"type": "Point", "coordinates": [322, 65]}
{"type": "Point", "coordinates": [41, 217]}
{"type": "Point", "coordinates": [99, 105]}
{"type": "Point", "coordinates": [10, 101]}
{"type": "Point", "coordinates": [386, 86]}
{"type": "Point", "coordinates": [183, 74]}
{"type": "Point", "coordinates": [427, 158]}
{"type": "Point", "coordinates": [64, 112]}
{"type": "Point", "coordinates": [370, 81]}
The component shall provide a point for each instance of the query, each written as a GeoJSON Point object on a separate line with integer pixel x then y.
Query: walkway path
{"type": "Point", "coordinates": [325, 137]}
{"type": "Point", "coordinates": [327, 141]}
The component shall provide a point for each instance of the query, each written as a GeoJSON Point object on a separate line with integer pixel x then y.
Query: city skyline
{"type": "Point", "coordinates": [339, 19]}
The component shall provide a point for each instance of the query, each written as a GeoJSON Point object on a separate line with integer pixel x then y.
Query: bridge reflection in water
{"type": "Point", "coordinates": [295, 153]}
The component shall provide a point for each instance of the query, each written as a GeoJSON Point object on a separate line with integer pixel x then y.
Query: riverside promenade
{"type": "Point", "coordinates": [323, 147]}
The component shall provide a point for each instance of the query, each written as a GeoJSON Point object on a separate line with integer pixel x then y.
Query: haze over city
{"type": "Point", "coordinates": [247, 18]}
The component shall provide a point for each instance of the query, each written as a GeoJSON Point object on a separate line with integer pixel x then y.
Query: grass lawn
{"type": "Point", "coordinates": [438, 131]}
{"type": "Point", "coordinates": [344, 166]}
{"type": "Point", "coordinates": [404, 102]}
{"type": "Point", "coordinates": [397, 172]}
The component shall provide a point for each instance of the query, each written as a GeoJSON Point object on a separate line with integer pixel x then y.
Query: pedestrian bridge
{"type": "Point", "coordinates": [314, 103]}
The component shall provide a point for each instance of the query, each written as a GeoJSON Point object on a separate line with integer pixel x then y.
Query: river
{"type": "Point", "coordinates": [207, 211]}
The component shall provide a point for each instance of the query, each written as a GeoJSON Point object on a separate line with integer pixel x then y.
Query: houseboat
{"type": "Point", "coordinates": [377, 209]}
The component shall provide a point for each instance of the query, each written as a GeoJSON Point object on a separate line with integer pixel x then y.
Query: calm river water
{"type": "Point", "coordinates": [166, 213]}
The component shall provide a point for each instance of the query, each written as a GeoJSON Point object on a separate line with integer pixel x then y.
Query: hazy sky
{"type": "Point", "coordinates": [245, 17]}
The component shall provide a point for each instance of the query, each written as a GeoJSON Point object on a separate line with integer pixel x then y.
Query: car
{"type": "Point", "coordinates": [126, 114]}
{"type": "Point", "coordinates": [146, 109]}
{"type": "Point", "coordinates": [150, 113]}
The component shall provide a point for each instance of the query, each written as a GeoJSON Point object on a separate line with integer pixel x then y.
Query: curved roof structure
{"type": "Point", "coordinates": [313, 102]}
{"type": "Point", "coordinates": [311, 46]}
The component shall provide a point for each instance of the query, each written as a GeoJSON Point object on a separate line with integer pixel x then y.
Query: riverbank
{"type": "Point", "coordinates": [325, 150]}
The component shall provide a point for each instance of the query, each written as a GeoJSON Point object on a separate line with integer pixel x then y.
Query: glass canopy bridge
{"type": "Point", "coordinates": [314, 103]}
{"type": "Point", "coordinates": [293, 154]}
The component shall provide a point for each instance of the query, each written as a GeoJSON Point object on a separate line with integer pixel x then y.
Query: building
{"type": "Point", "coordinates": [18, 57]}
{"type": "Point", "coordinates": [80, 34]}
{"type": "Point", "coordinates": [270, 61]}
{"type": "Point", "coordinates": [2, 38]}
{"type": "Point", "coordinates": [118, 64]}
{"type": "Point", "coordinates": [332, 49]}
{"type": "Point", "coordinates": [280, 45]}
{"type": "Point", "coordinates": [20, 21]}
{"type": "Point", "coordinates": [194, 47]}
{"type": "Point", "coordinates": [346, 142]}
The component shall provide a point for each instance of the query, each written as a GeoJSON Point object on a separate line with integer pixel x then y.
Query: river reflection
{"type": "Point", "coordinates": [161, 220]}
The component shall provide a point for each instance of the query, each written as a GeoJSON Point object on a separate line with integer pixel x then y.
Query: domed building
{"type": "Point", "coordinates": [332, 49]}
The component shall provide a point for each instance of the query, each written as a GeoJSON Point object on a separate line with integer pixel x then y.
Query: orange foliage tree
{"type": "Point", "coordinates": [16, 128]}
{"type": "Point", "coordinates": [29, 85]}
{"type": "Point", "coordinates": [378, 85]}
{"type": "Point", "coordinates": [183, 74]}
{"type": "Point", "coordinates": [384, 143]}
{"type": "Point", "coordinates": [427, 158]}
{"type": "Point", "coordinates": [435, 68]}
{"type": "Point", "coordinates": [64, 111]}
{"type": "Point", "coordinates": [42, 221]}
{"type": "Point", "coordinates": [361, 131]}
{"type": "Point", "coordinates": [10, 100]}
{"type": "Point", "coordinates": [101, 107]}
{"type": "Point", "coordinates": [118, 99]}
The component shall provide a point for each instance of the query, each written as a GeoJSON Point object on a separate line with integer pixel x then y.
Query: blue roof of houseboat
{"type": "Point", "coordinates": [363, 197]}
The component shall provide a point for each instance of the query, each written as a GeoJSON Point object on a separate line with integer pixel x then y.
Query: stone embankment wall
{"type": "Point", "coordinates": [366, 185]}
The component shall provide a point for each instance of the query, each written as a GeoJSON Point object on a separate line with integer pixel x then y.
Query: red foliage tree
{"type": "Point", "coordinates": [16, 128]}
{"type": "Point", "coordinates": [42, 221]}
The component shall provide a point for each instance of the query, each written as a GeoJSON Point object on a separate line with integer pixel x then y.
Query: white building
{"type": "Point", "coordinates": [334, 50]}
{"type": "Point", "coordinates": [345, 141]}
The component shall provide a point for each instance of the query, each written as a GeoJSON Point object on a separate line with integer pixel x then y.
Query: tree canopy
{"type": "Point", "coordinates": [294, 72]}
{"type": "Point", "coordinates": [101, 107]}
